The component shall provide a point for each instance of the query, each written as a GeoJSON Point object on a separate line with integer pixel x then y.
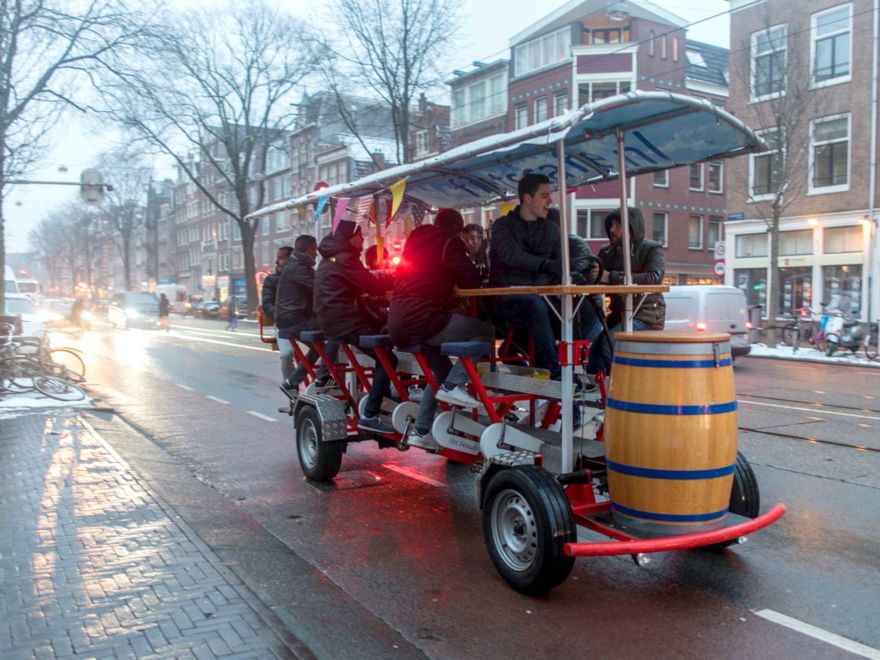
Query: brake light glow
{"type": "Point", "coordinates": [395, 260]}
{"type": "Point", "coordinates": [701, 326]}
{"type": "Point", "coordinates": [749, 325]}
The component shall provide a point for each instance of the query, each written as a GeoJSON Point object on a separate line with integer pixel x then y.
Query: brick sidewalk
{"type": "Point", "coordinates": [92, 565]}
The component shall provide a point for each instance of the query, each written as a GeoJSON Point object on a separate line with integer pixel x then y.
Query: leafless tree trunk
{"type": "Point", "coordinates": [45, 48]}
{"type": "Point", "coordinates": [395, 48]}
{"type": "Point", "coordinates": [785, 103]}
{"type": "Point", "coordinates": [220, 85]}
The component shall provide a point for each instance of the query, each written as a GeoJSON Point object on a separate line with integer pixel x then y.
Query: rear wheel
{"type": "Point", "coordinates": [526, 523]}
{"type": "Point", "coordinates": [319, 460]}
{"type": "Point", "coordinates": [745, 497]}
{"type": "Point", "coordinates": [58, 388]}
{"type": "Point", "coordinates": [67, 363]}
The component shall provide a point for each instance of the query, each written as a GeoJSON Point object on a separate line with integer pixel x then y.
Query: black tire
{"type": "Point", "coordinates": [319, 460]}
{"type": "Point", "coordinates": [745, 497]}
{"type": "Point", "coordinates": [831, 346]}
{"type": "Point", "coordinates": [526, 523]}
{"type": "Point", "coordinates": [58, 389]}
{"type": "Point", "coordinates": [871, 351]}
{"type": "Point", "coordinates": [789, 335]}
{"type": "Point", "coordinates": [66, 363]}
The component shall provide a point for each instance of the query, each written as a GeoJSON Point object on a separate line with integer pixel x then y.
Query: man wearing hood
{"type": "Point", "coordinates": [294, 312]}
{"type": "Point", "coordinates": [341, 282]}
{"type": "Point", "coordinates": [525, 251]}
{"type": "Point", "coordinates": [267, 303]}
{"type": "Point", "coordinates": [424, 310]}
{"type": "Point", "coordinates": [648, 267]}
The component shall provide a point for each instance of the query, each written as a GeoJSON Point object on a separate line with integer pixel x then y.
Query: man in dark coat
{"type": "Point", "coordinates": [294, 312]}
{"type": "Point", "coordinates": [340, 283]}
{"type": "Point", "coordinates": [425, 310]}
{"type": "Point", "coordinates": [648, 267]}
{"type": "Point", "coordinates": [525, 250]}
{"type": "Point", "coordinates": [267, 305]}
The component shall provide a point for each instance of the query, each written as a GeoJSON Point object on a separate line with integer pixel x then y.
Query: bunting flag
{"type": "Point", "coordinates": [319, 207]}
{"type": "Point", "coordinates": [396, 197]}
{"type": "Point", "coordinates": [373, 212]}
{"type": "Point", "coordinates": [418, 214]}
{"type": "Point", "coordinates": [505, 208]}
{"type": "Point", "coordinates": [341, 207]}
{"type": "Point", "coordinates": [363, 207]}
{"type": "Point", "coordinates": [388, 214]}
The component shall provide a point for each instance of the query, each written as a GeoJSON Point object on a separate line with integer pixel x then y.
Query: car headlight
{"type": "Point", "coordinates": [132, 313]}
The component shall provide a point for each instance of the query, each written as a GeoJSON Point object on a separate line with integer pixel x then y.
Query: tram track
{"type": "Point", "coordinates": [821, 408]}
{"type": "Point", "coordinates": [810, 439]}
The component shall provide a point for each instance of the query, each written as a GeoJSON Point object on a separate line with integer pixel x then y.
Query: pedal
{"type": "Point", "coordinates": [500, 439]}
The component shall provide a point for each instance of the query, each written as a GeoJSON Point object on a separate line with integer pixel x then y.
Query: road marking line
{"type": "Point", "coordinates": [261, 416]}
{"type": "Point", "coordinates": [412, 474]}
{"type": "Point", "coordinates": [217, 399]}
{"type": "Point", "coordinates": [869, 373]}
{"type": "Point", "coordinates": [186, 387]}
{"type": "Point", "coordinates": [810, 410]}
{"type": "Point", "coordinates": [203, 331]}
{"type": "Point", "coordinates": [221, 343]}
{"type": "Point", "coordinates": [820, 634]}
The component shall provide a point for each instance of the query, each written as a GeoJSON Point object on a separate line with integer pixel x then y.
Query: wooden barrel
{"type": "Point", "coordinates": [671, 430]}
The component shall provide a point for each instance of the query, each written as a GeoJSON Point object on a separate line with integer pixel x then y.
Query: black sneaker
{"type": "Point", "coordinates": [323, 385]}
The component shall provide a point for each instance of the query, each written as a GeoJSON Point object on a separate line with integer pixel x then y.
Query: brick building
{"type": "Point", "coordinates": [588, 50]}
{"type": "Point", "coordinates": [818, 55]}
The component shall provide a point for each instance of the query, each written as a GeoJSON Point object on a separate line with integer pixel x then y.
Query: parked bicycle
{"type": "Point", "coordinates": [804, 329]}
{"type": "Point", "coordinates": [871, 340]}
{"type": "Point", "coordinates": [29, 363]}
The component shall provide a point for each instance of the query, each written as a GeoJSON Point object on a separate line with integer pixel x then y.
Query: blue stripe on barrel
{"type": "Point", "coordinates": [673, 364]}
{"type": "Point", "coordinates": [669, 517]}
{"type": "Point", "coordinates": [654, 473]}
{"type": "Point", "coordinates": [661, 409]}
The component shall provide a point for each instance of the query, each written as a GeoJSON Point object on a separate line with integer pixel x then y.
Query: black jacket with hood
{"type": "Point", "coordinates": [435, 261]}
{"type": "Point", "coordinates": [340, 282]}
{"type": "Point", "coordinates": [270, 291]}
{"type": "Point", "coordinates": [294, 302]}
{"type": "Point", "coordinates": [524, 252]}
{"type": "Point", "coordinates": [648, 267]}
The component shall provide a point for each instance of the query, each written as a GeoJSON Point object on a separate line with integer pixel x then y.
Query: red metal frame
{"type": "Point", "coordinates": [263, 338]}
{"type": "Point", "coordinates": [300, 358]}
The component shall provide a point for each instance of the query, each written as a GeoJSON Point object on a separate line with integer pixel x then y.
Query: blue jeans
{"type": "Point", "coordinates": [296, 376]}
{"type": "Point", "coordinates": [459, 328]}
{"type": "Point", "coordinates": [533, 314]}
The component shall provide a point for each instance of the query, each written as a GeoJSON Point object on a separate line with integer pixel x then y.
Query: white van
{"type": "Point", "coordinates": [10, 284]}
{"type": "Point", "coordinates": [701, 308]}
{"type": "Point", "coordinates": [178, 297]}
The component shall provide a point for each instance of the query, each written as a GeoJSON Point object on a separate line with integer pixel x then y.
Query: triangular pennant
{"type": "Point", "coordinates": [319, 207]}
{"type": "Point", "coordinates": [396, 197]}
{"type": "Point", "coordinates": [341, 207]}
{"type": "Point", "coordinates": [505, 208]}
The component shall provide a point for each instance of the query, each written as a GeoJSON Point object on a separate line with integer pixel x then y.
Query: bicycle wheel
{"type": "Point", "coordinates": [19, 372]}
{"type": "Point", "coordinates": [58, 388]}
{"type": "Point", "coordinates": [66, 363]}
{"type": "Point", "coordinates": [871, 349]}
{"type": "Point", "coordinates": [790, 335]}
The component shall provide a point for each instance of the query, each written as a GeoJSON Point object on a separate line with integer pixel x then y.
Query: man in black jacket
{"type": "Point", "coordinates": [424, 310]}
{"type": "Point", "coordinates": [340, 284]}
{"type": "Point", "coordinates": [267, 303]}
{"type": "Point", "coordinates": [525, 250]}
{"type": "Point", "coordinates": [294, 311]}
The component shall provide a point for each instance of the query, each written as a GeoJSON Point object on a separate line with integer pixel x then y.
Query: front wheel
{"type": "Point", "coordinates": [319, 460]}
{"type": "Point", "coordinates": [526, 523]}
{"type": "Point", "coordinates": [831, 346]}
{"type": "Point", "coordinates": [790, 336]}
{"type": "Point", "coordinates": [58, 389]}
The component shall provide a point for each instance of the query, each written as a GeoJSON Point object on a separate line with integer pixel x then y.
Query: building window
{"type": "Point", "coordinates": [714, 232]}
{"type": "Point", "coordinates": [831, 44]}
{"type": "Point", "coordinates": [421, 143]}
{"type": "Point", "coordinates": [843, 287]}
{"type": "Point", "coordinates": [651, 43]}
{"type": "Point", "coordinates": [661, 179]}
{"type": "Point", "coordinates": [591, 223]}
{"type": "Point", "coordinates": [795, 289]}
{"type": "Point", "coordinates": [768, 62]}
{"type": "Point", "coordinates": [829, 152]}
{"type": "Point", "coordinates": [764, 168]}
{"type": "Point", "coordinates": [542, 51]}
{"type": "Point", "coordinates": [715, 177]}
{"type": "Point", "coordinates": [602, 36]}
{"type": "Point", "coordinates": [522, 115]}
{"type": "Point", "coordinates": [696, 176]}
{"type": "Point", "coordinates": [659, 227]}
{"type": "Point", "coordinates": [793, 243]}
{"type": "Point", "coordinates": [695, 232]}
{"type": "Point", "coordinates": [663, 46]}
{"type": "Point", "coordinates": [479, 100]}
{"type": "Point", "coordinates": [675, 49]}
{"type": "Point", "coordinates": [540, 109]}
{"type": "Point", "coordinates": [560, 103]}
{"type": "Point", "coordinates": [838, 240]}
{"type": "Point", "coordinates": [753, 282]}
{"type": "Point", "coordinates": [594, 91]}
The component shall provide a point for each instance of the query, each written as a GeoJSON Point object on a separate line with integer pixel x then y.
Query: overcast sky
{"type": "Point", "coordinates": [487, 28]}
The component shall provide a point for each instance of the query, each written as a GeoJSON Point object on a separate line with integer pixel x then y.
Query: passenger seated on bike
{"type": "Point", "coordinates": [341, 282]}
{"type": "Point", "coordinates": [294, 312]}
{"type": "Point", "coordinates": [525, 250]}
{"type": "Point", "coordinates": [425, 310]}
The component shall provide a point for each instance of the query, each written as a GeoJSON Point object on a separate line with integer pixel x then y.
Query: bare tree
{"type": "Point", "coordinates": [124, 168]}
{"type": "Point", "coordinates": [49, 242]}
{"type": "Point", "coordinates": [46, 47]}
{"type": "Point", "coordinates": [221, 85]}
{"type": "Point", "coordinates": [778, 83]}
{"type": "Point", "coordinates": [395, 48]}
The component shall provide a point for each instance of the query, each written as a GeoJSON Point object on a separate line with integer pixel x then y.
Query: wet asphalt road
{"type": "Point", "coordinates": [408, 549]}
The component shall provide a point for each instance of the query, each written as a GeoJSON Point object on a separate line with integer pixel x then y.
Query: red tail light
{"type": "Point", "coordinates": [701, 326]}
{"type": "Point", "coordinates": [749, 325]}
{"type": "Point", "coordinates": [395, 260]}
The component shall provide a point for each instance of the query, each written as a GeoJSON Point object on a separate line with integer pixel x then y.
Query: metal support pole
{"type": "Point", "coordinates": [567, 320]}
{"type": "Point", "coordinates": [624, 220]}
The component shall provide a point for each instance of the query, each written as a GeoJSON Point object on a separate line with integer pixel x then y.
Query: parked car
{"type": "Point", "coordinates": [207, 309]}
{"type": "Point", "coordinates": [21, 305]}
{"type": "Point", "coordinates": [134, 309]}
{"type": "Point", "coordinates": [701, 308]}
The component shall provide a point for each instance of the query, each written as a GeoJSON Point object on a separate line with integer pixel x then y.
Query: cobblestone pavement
{"type": "Point", "coordinates": [92, 565]}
